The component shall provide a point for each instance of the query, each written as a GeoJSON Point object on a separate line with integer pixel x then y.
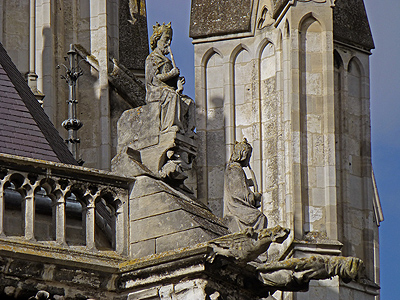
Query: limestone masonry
{"type": "Point", "coordinates": [261, 187]}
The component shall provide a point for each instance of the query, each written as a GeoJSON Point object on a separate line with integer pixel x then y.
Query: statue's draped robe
{"type": "Point", "coordinates": [176, 109]}
{"type": "Point", "coordinates": [239, 203]}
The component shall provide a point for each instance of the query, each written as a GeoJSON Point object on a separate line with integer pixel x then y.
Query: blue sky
{"type": "Point", "coordinates": [385, 110]}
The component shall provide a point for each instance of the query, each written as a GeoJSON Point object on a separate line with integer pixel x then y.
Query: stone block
{"type": "Point", "coordinates": [183, 239]}
{"type": "Point", "coordinates": [216, 206]}
{"type": "Point", "coordinates": [216, 182]}
{"type": "Point", "coordinates": [239, 94]}
{"type": "Point", "coordinates": [215, 78]}
{"type": "Point", "coordinates": [145, 186]}
{"type": "Point", "coordinates": [128, 163]}
{"type": "Point", "coordinates": [26, 269]}
{"type": "Point", "coordinates": [133, 34]}
{"type": "Point", "coordinates": [243, 114]}
{"type": "Point", "coordinates": [143, 248]}
{"type": "Point", "coordinates": [147, 294]}
{"type": "Point", "coordinates": [355, 192]}
{"type": "Point", "coordinates": [207, 21]}
{"type": "Point", "coordinates": [318, 197]}
{"type": "Point", "coordinates": [160, 225]}
{"type": "Point", "coordinates": [320, 177]}
{"type": "Point", "coordinates": [314, 83]}
{"type": "Point", "coordinates": [158, 210]}
{"type": "Point", "coordinates": [140, 127]}
{"type": "Point", "coordinates": [215, 98]}
{"type": "Point", "coordinates": [215, 118]}
{"type": "Point", "coordinates": [145, 206]}
{"type": "Point", "coordinates": [216, 148]}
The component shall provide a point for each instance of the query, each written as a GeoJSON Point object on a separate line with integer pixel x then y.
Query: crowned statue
{"type": "Point", "coordinates": [165, 85]}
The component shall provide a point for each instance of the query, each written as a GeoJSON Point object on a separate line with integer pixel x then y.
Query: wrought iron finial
{"type": "Point", "coordinates": [72, 72]}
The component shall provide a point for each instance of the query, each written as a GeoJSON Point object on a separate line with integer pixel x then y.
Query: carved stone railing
{"type": "Point", "coordinates": [100, 197]}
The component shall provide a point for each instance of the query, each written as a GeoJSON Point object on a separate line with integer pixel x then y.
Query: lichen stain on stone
{"type": "Point", "coordinates": [110, 259]}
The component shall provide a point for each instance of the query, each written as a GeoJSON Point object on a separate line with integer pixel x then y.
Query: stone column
{"type": "Point", "coordinates": [32, 76]}
{"type": "Point", "coordinates": [100, 45]}
{"type": "Point", "coordinates": [119, 224]}
{"type": "Point", "coordinates": [30, 214]}
{"type": "Point", "coordinates": [90, 225]}
{"type": "Point", "coordinates": [60, 221]}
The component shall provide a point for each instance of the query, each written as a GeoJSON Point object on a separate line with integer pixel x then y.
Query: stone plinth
{"type": "Point", "coordinates": [162, 219]}
{"type": "Point", "coordinates": [139, 129]}
{"type": "Point", "coordinates": [143, 148]}
{"type": "Point", "coordinates": [162, 216]}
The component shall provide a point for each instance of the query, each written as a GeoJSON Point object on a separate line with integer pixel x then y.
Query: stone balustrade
{"type": "Point", "coordinates": [64, 205]}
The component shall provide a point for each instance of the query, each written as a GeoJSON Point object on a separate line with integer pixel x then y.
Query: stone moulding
{"type": "Point", "coordinates": [183, 272]}
{"type": "Point", "coordinates": [48, 168]}
{"type": "Point", "coordinates": [131, 89]}
{"type": "Point", "coordinates": [107, 276]}
{"type": "Point", "coordinates": [187, 264]}
{"type": "Point", "coordinates": [127, 85]}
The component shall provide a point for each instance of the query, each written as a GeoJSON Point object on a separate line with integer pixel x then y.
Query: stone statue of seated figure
{"type": "Point", "coordinates": [240, 202]}
{"type": "Point", "coordinates": [165, 85]}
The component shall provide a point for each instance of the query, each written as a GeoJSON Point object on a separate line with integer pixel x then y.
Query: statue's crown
{"type": "Point", "coordinates": [157, 29]}
{"type": "Point", "coordinates": [243, 144]}
{"type": "Point", "coordinates": [241, 150]}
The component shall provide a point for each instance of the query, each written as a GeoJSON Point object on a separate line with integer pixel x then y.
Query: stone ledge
{"type": "Point", "coordinates": [304, 248]}
{"type": "Point", "coordinates": [54, 253]}
{"type": "Point", "coordinates": [188, 263]}
{"type": "Point", "coordinates": [42, 167]}
{"type": "Point", "coordinates": [368, 287]}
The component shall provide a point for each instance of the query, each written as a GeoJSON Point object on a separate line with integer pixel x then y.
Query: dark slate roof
{"type": "Point", "coordinates": [25, 129]}
{"type": "Point", "coordinates": [350, 24]}
{"type": "Point", "coordinates": [219, 17]}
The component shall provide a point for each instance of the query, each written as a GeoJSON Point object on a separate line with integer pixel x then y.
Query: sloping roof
{"type": "Point", "coordinates": [350, 24]}
{"type": "Point", "coordinates": [25, 129]}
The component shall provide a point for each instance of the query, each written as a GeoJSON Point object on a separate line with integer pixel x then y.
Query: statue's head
{"type": "Point", "coordinates": [241, 152]}
{"type": "Point", "coordinates": [158, 32]}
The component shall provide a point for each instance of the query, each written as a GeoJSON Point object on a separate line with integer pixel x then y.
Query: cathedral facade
{"type": "Point", "coordinates": [293, 78]}
{"type": "Point", "coordinates": [289, 76]}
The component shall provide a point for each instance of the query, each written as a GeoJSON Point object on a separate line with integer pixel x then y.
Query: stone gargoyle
{"type": "Point", "coordinates": [294, 274]}
{"type": "Point", "coordinates": [246, 245]}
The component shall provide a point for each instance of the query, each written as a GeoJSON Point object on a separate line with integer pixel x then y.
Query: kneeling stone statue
{"type": "Point", "coordinates": [240, 202]}
{"type": "Point", "coordinates": [250, 237]}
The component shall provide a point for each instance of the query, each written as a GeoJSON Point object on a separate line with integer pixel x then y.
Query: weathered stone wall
{"type": "Point", "coordinates": [95, 26]}
{"type": "Point", "coordinates": [15, 31]}
{"type": "Point", "coordinates": [358, 229]}
{"type": "Point", "coordinates": [308, 122]}
{"type": "Point", "coordinates": [241, 97]}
